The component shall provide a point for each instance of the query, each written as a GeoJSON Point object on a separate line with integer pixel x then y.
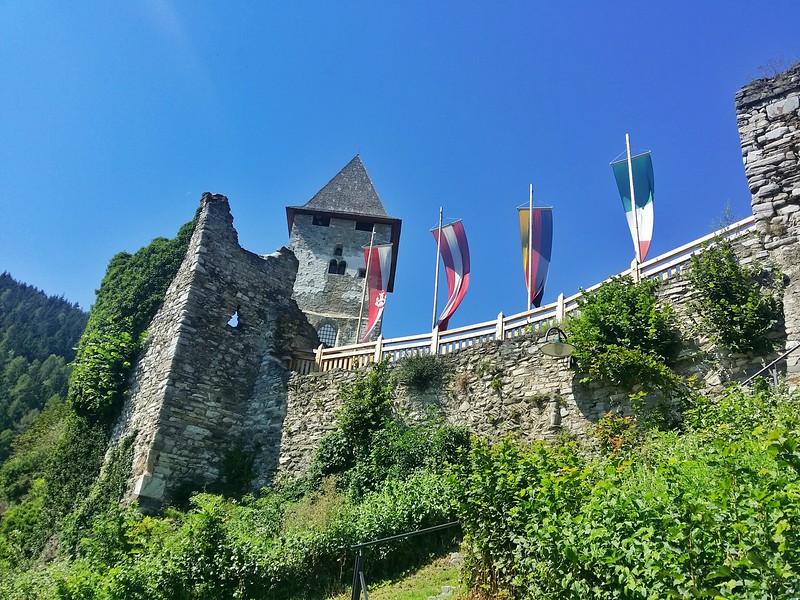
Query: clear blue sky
{"type": "Point", "coordinates": [117, 116]}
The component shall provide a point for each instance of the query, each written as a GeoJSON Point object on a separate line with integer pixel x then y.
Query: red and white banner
{"type": "Point", "coordinates": [379, 265]}
{"type": "Point", "coordinates": [455, 254]}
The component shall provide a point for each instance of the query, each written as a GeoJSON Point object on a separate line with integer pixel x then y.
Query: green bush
{"type": "Point", "coordinates": [739, 304]}
{"type": "Point", "coordinates": [419, 372]}
{"type": "Point", "coordinates": [624, 338]}
{"type": "Point", "coordinates": [711, 513]}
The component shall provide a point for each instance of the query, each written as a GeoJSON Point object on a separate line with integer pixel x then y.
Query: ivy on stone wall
{"type": "Point", "coordinates": [739, 304]}
{"type": "Point", "coordinates": [129, 296]}
{"type": "Point", "coordinates": [624, 338]}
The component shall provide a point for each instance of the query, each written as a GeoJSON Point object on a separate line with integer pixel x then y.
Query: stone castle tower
{"type": "Point", "coordinates": [327, 235]}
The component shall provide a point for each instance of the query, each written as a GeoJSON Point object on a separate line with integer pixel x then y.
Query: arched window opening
{"type": "Point", "coordinates": [342, 267]}
{"type": "Point", "coordinates": [327, 335]}
{"type": "Point", "coordinates": [333, 266]}
{"type": "Point", "coordinates": [337, 251]}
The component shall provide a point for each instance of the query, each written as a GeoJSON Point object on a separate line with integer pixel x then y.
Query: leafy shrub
{"type": "Point", "coordinates": [399, 450]}
{"type": "Point", "coordinates": [419, 372]}
{"type": "Point", "coordinates": [617, 433]}
{"type": "Point", "coordinates": [622, 337]}
{"type": "Point", "coordinates": [739, 303]}
{"type": "Point", "coordinates": [710, 513]}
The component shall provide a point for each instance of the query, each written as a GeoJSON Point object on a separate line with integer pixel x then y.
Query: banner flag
{"type": "Point", "coordinates": [541, 238]}
{"type": "Point", "coordinates": [380, 265]}
{"type": "Point", "coordinates": [643, 188]}
{"type": "Point", "coordinates": [455, 255]}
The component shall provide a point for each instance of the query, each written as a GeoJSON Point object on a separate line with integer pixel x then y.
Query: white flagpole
{"type": "Point", "coordinates": [633, 202]}
{"type": "Point", "coordinates": [530, 246]}
{"type": "Point", "coordinates": [436, 279]}
{"type": "Point", "coordinates": [364, 289]}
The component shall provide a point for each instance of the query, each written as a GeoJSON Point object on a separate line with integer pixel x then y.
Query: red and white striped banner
{"type": "Point", "coordinates": [455, 254]}
{"type": "Point", "coordinates": [379, 265]}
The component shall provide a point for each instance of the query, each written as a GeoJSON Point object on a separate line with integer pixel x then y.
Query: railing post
{"type": "Point", "coordinates": [359, 584]}
{"type": "Point", "coordinates": [379, 349]}
{"type": "Point", "coordinates": [560, 309]}
{"type": "Point", "coordinates": [318, 356]}
{"type": "Point", "coordinates": [499, 332]}
{"type": "Point", "coordinates": [435, 341]}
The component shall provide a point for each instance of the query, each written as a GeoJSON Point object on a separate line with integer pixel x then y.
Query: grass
{"type": "Point", "coordinates": [418, 585]}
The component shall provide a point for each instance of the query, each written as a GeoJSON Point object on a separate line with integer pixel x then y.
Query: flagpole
{"type": "Point", "coordinates": [436, 279]}
{"type": "Point", "coordinates": [364, 289]}
{"type": "Point", "coordinates": [530, 245]}
{"type": "Point", "coordinates": [633, 203]}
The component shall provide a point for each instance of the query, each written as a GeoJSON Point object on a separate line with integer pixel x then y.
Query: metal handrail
{"type": "Point", "coordinates": [359, 582]}
{"type": "Point", "coordinates": [770, 365]}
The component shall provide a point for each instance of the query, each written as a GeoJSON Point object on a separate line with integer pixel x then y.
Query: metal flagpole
{"type": "Point", "coordinates": [530, 246]}
{"type": "Point", "coordinates": [364, 289]}
{"type": "Point", "coordinates": [633, 203]}
{"type": "Point", "coordinates": [436, 280]}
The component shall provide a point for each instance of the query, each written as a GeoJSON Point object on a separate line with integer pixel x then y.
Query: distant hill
{"type": "Point", "coordinates": [38, 334]}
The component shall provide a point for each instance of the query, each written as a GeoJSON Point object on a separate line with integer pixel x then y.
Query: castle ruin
{"type": "Point", "coordinates": [208, 384]}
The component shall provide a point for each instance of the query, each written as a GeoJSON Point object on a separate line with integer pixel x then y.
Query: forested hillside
{"type": "Point", "coordinates": [38, 334]}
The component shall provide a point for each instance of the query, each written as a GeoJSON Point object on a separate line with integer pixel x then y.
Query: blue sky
{"type": "Point", "coordinates": [116, 117]}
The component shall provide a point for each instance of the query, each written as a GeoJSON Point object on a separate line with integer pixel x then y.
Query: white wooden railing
{"type": "Point", "coordinates": [662, 267]}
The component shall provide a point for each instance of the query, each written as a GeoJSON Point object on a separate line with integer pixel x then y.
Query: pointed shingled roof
{"type": "Point", "coordinates": [351, 194]}
{"type": "Point", "coordinates": [350, 191]}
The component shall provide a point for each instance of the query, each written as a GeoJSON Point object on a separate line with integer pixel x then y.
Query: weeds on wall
{"type": "Point", "coordinates": [622, 337]}
{"type": "Point", "coordinates": [739, 304]}
{"type": "Point", "coordinates": [421, 372]}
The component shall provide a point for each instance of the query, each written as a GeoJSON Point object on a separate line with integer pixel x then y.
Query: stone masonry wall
{"type": "Point", "coordinates": [510, 387]}
{"type": "Point", "coordinates": [325, 297]}
{"type": "Point", "coordinates": [205, 388]}
{"type": "Point", "coordinates": [768, 114]}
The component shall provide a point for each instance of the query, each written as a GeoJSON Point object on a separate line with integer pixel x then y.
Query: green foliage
{"type": "Point", "coordinates": [739, 304]}
{"type": "Point", "coordinates": [37, 338]}
{"type": "Point", "coordinates": [370, 447]}
{"type": "Point", "coordinates": [224, 549]}
{"type": "Point", "coordinates": [398, 450]}
{"type": "Point", "coordinates": [616, 433]}
{"type": "Point", "coordinates": [419, 372]}
{"type": "Point", "coordinates": [34, 325]}
{"type": "Point", "coordinates": [711, 513]}
{"type": "Point", "coordinates": [623, 338]}
{"type": "Point", "coordinates": [100, 376]}
{"type": "Point", "coordinates": [131, 292]}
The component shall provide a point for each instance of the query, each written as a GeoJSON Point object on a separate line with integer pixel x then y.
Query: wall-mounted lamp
{"type": "Point", "coordinates": [558, 347]}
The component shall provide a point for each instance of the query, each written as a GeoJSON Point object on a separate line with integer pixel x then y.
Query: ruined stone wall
{"type": "Point", "coordinates": [768, 114]}
{"type": "Point", "coordinates": [205, 388]}
{"type": "Point", "coordinates": [331, 298]}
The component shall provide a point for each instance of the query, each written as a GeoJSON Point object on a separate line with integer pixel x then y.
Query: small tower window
{"type": "Point", "coordinates": [321, 221]}
{"type": "Point", "coordinates": [333, 266]}
{"type": "Point", "coordinates": [337, 251]}
{"type": "Point", "coordinates": [362, 272]}
{"type": "Point", "coordinates": [342, 267]}
{"type": "Point", "coordinates": [363, 226]}
{"type": "Point", "coordinates": [327, 335]}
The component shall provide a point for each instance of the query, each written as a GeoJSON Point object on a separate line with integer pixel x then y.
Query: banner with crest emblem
{"type": "Point", "coordinates": [379, 265]}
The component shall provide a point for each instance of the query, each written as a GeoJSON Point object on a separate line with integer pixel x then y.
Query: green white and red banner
{"type": "Point", "coordinates": [640, 220]}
